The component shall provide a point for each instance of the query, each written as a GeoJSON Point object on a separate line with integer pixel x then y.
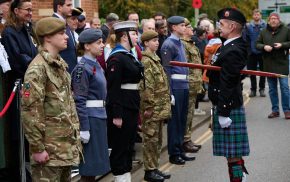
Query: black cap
{"type": "Point", "coordinates": [81, 17]}
{"type": "Point", "coordinates": [175, 20]}
{"type": "Point", "coordinates": [77, 11]}
{"type": "Point", "coordinates": [232, 14]}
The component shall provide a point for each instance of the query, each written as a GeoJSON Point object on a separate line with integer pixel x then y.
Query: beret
{"type": "Point", "coordinates": [48, 26]}
{"type": "Point", "coordinates": [90, 35]}
{"type": "Point", "coordinates": [77, 11]}
{"type": "Point", "coordinates": [4, 1]}
{"type": "Point", "coordinates": [174, 20]}
{"type": "Point", "coordinates": [148, 35]}
{"type": "Point", "coordinates": [125, 26]}
{"type": "Point", "coordinates": [81, 17]}
{"type": "Point", "coordinates": [232, 14]}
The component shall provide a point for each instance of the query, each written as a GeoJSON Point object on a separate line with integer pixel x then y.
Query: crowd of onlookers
{"type": "Point", "coordinates": [20, 44]}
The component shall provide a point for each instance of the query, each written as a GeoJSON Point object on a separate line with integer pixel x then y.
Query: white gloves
{"type": "Point", "coordinates": [85, 136]}
{"type": "Point", "coordinates": [225, 121]}
{"type": "Point", "coordinates": [172, 100]}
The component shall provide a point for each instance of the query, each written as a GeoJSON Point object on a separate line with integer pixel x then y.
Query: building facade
{"type": "Point", "coordinates": [43, 8]}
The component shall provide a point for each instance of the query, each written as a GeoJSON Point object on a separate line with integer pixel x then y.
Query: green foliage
{"type": "Point", "coordinates": [146, 8]}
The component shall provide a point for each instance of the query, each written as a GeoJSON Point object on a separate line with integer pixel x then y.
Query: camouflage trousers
{"type": "Point", "coordinates": [152, 143]}
{"type": "Point", "coordinates": [41, 173]}
{"type": "Point", "coordinates": [191, 106]}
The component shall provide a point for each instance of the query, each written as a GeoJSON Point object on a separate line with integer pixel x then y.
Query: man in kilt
{"type": "Point", "coordinates": [230, 137]}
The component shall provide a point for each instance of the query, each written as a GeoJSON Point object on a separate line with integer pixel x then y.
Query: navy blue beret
{"type": "Point", "coordinates": [174, 20]}
{"type": "Point", "coordinates": [90, 35]}
{"type": "Point", "coordinates": [232, 14]}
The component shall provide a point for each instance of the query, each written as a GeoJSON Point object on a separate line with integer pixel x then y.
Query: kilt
{"type": "Point", "coordinates": [232, 141]}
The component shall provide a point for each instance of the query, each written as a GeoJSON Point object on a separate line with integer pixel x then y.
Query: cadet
{"type": "Point", "coordinates": [155, 106]}
{"type": "Point", "coordinates": [90, 90]}
{"type": "Point", "coordinates": [230, 136]}
{"type": "Point", "coordinates": [48, 111]}
{"type": "Point", "coordinates": [195, 85]}
{"type": "Point", "coordinates": [123, 72]}
{"type": "Point", "coordinates": [173, 49]}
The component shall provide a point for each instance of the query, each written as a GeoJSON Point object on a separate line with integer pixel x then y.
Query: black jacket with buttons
{"type": "Point", "coordinates": [225, 90]}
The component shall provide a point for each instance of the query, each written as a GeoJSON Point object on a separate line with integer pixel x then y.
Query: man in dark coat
{"type": "Point", "coordinates": [230, 137]}
{"type": "Point", "coordinates": [274, 41]}
{"type": "Point", "coordinates": [62, 9]}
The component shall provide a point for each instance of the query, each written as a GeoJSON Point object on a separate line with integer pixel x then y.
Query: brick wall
{"type": "Point", "coordinates": [43, 8]}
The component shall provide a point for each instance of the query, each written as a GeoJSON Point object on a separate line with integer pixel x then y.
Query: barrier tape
{"type": "Point", "coordinates": [8, 103]}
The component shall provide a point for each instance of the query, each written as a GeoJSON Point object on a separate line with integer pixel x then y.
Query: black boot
{"type": "Point", "coordinates": [153, 176]}
{"type": "Point", "coordinates": [253, 93]}
{"type": "Point", "coordinates": [163, 174]}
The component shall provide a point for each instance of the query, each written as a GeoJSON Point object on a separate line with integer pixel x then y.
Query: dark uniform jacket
{"type": "Point", "coordinates": [276, 61]}
{"type": "Point", "coordinates": [225, 89]}
{"type": "Point", "coordinates": [122, 68]}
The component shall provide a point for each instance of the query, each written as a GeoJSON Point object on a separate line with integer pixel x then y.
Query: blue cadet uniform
{"type": "Point", "coordinates": [89, 87]}
{"type": "Point", "coordinates": [173, 50]}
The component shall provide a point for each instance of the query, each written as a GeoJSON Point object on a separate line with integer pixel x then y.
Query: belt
{"type": "Point", "coordinates": [179, 77]}
{"type": "Point", "coordinates": [96, 103]}
{"type": "Point", "coordinates": [130, 86]}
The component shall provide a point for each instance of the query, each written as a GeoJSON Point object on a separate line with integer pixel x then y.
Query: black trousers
{"type": "Point", "coordinates": [253, 61]}
{"type": "Point", "coordinates": [120, 141]}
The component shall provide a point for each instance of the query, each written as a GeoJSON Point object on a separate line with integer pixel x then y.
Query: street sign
{"type": "Point", "coordinates": [196, 4]}
{"type": "Point", "coordinates": [282, 7]}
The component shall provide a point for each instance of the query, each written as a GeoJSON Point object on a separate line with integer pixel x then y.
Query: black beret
{"type": "Point", "coordinates": [232, 14]}
{"type": "Point", "coordinates": [77, 11]}
{"type": "Point", "coordinates": [175, 20]}
{"type": "Point", "coordinates": [81, 17]}
{"type": "Point", "coordinates": [90, 35]}
{"type": "Point", "coordinates": [148, 35]}
{"type": "Point", "coordinates": [49, 26]}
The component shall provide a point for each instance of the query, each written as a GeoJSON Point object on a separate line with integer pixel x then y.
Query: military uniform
{"type": "Point", "coordinates": [195, 83]}
{"type": "Point", "coordinates": [156, 97]}
{"type": "Point", "coordinates": [89, 87]}
{"type": "Point", "coordinates": [49, 115]}
{"type": "Point", "coordinates": [123, 73]}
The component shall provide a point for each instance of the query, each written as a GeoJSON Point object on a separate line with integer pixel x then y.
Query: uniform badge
{"type": "Point", "coordinates": [26, 94]}
{"type": "Point", "coordinates": [227, 14]}
{"type": "Point", "coordinates": [112, 69]}
{"type": "Point", "coordinates": [27, 86]}
{"type": "Point", "coordinates": [94, 70]}
{"type": "Point", "coordinates": [214, 58]}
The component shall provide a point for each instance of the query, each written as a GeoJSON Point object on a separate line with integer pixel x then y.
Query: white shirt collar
{"type": "Point", "coordinates": [59, 16]}
{"type": "Point", "coordinates": [230, 40]}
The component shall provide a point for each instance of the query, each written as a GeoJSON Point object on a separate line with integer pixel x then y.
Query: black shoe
{"type": "Point", "coordinates": [252, 94]}
{"type": "Point", "coordinates": [176, 159]}
{"type": "Point", "coordinates": [196, 145]}
{"type": "Point", "coordinates": [187, 157]}
{"type": "Point", "coordinates": [262, 93]}
{"type": "Point", "coordinates": [153, 176]}
{"type": "Point", "coordinates": [163, 174]}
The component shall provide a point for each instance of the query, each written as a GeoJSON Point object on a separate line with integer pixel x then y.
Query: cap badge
{"type": "Point", "coordinates": [227, 14]}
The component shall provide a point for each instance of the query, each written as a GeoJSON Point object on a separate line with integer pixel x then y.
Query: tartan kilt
{"type": "Point", "coordinates": [232, 141]}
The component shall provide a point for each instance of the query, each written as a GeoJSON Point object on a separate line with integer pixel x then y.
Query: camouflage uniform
{"type": "Point", "coordinates": [155, 97]}
{"type": "Point", "coordinates": [195, 83]}
{"type": "Point", "coordinates": [49, 117]}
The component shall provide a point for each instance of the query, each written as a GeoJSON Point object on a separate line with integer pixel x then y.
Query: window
{"type": "Point", "coordinates": [76, 3]}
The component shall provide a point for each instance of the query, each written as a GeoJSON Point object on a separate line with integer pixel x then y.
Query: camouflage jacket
{"type": "Point", "coordinates": [48, 111]}
{"type": "Point", "coordinates": [156, 94]}
{"type": "Point", "coordinates": [193, 56]}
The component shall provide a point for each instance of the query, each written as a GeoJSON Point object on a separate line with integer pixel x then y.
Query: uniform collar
{"type": "Point", "coordinates": [230, 40]}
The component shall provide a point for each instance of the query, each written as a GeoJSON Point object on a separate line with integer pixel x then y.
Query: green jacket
{"type": "Point", "coordinates": [156, 94]}
{"type": "Point", "coordinates": [276, 61]}
{"type": "Point", "coordinates": [48, 111]}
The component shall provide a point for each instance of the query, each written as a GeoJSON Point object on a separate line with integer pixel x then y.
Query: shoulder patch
{"type": "Point", "coordinates": [79, 73]}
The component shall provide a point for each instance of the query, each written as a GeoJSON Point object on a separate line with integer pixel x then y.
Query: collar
{"type": "Point", "coordinates": [59, 16]}
{"type": "Point", "coordinates": [175, 37]}
{"type": "Point", "coordinates": [230, 40]}
{"type": "Point", "coordinates": [59, 62]}
{"type": "Point", "coordinates": [89, 57]}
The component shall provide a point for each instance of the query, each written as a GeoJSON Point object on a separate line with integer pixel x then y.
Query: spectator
{"type": "Point", "coordinates": [161, 29]}
{"type": "Point", "coordinates": [274, 41]}
{"type": "Point", "coordinates": [81, 24]}
{"type": "Point", "coordinates": [21, 51]}
{"type": "Point", "coordinates": [95, 23]}
{"type": "Point", "coordinates": [106, 28]}
{"type": "Point", "coordinates": [72, 22]}
{"type": "Point", "coordinates": [133, 16]}
{"type": "Point", "coordinates": [63, 9]}
{"type": "Point", "coordinates": [90, 91]}
{"type": "Point", "coordinates": [4, 7]}
{"type": "Point", "coordinates": [252, 32]}
{"type": "Point", "coordinates": [159, 16]}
